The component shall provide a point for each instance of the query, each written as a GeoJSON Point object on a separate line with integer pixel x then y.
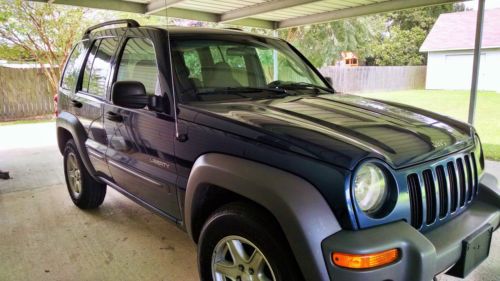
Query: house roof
{"type": "Point", "coordinates": [456, 31]}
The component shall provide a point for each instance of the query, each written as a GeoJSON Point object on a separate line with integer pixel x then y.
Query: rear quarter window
{"type": "Point", "coordinates": [98, 66]}
{"type": "Point", "coordinates": [73, 67]}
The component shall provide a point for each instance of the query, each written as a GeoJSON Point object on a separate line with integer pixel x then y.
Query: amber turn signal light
{"type": "Point", "coordinates": [355, 261]}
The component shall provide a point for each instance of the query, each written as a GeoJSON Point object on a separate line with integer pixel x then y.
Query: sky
{"type": "Point", "coordinates": [490, 4]}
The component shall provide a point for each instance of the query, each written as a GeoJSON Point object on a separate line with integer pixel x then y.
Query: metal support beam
{"type": "Point", "coordinates": [212, 17]}
{"type": "Point", "coordinates": [265, 7]}
{"type": "Point", "coordinates": [255, 23]}
{"type": "Point", "coordinates": [156, 6]}
{"type": "Point", "coordinates": [188, 14]}
{"type": "Point", "coordinates": [477, 61]}
{"type": "Point", "coordinates": [381, 7]}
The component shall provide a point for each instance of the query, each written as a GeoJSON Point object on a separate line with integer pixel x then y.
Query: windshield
{"type": "Point", "coordinates": [235, 67]}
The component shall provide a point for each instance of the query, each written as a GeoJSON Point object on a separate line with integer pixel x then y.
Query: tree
{"type": "Point", "coordinates": [43, 31]}
{"type": "Point", "coordinates": [401, 47]}
{"type": "Point", "coordinates": [424, 18]}
{"type": "Point", "coordinates": [14, 53]}
{"type": "Point", "coordinates": [322, 43]}
{"type": "Point", "coordinates": [406, 31]}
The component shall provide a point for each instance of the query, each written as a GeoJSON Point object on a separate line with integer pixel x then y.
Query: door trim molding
{"type": "Point", "coordinates": [128, 170]}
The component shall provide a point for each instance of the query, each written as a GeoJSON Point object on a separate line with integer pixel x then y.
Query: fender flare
{"type": "Point", "coordinates": [300, 209]}
{"type": "Point", "coordinates": [70, 123]}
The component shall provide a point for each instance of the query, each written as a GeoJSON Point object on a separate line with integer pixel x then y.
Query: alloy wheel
{"type": "Point", "coordinates": [237, 259]}
{"type": "Point", "coordinates": [74, 175]}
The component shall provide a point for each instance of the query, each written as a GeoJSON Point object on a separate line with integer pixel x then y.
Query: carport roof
{"type": "Point", "coordinates": [272, 14]}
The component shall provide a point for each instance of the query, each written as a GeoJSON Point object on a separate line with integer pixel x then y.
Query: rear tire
{"type": "Point", "coordinates": [84, 190]}
{"type": "Point", "coordinates": [241, 242]}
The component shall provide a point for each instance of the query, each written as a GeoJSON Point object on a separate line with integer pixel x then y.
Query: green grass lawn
{"type": "Point", "coordinates": [456, 105]}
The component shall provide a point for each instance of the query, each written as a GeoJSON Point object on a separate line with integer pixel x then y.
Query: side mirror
{"type": "Point", "coordinates": [129, 94]}
{"type": "Point", "coordinates": [329, 80]}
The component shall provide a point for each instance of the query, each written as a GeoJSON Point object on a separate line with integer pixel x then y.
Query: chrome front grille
{"type": "Point", "coordinates": [440, 191]}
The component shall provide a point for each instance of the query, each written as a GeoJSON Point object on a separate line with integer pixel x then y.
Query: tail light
{"type": "Point", "coordinates": [55, 105]}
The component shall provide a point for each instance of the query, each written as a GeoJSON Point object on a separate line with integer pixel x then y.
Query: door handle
{"type": "Point", "coordinates": [76, 103]}
{"type": "Point", "coordinates": [115, 117]}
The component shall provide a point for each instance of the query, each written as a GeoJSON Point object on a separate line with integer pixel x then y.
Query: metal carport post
{"type": "Point", "coordinates": [477, 61]}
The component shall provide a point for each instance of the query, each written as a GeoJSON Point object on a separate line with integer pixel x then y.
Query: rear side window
{"type": "Point", "coordinates": [138, 63]}
{"type": "Point", "coordinates": [98, 66]}
{"type": "Point", "coordinates": [73, 66]}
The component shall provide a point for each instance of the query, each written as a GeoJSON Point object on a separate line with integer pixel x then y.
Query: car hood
{"type": "Point", "coordinates": [343, 129]}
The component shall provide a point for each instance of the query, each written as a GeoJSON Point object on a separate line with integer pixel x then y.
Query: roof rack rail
{"type": "Point", "coordinates": [129, 22]}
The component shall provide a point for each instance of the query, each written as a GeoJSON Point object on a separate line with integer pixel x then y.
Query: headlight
{"type": "Point", "coordinates": [370, 188]}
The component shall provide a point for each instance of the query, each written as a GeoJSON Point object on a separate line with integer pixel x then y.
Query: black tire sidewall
{"type": "Point", "coordinates": [267, 237]}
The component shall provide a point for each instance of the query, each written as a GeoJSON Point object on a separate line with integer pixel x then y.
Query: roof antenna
{"type": "Point", "coordinates": [179, 136]}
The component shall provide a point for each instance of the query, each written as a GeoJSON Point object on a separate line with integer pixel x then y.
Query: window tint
{"type": "Point", "coordinates": [230, 65]}
{"type": "Point", "coordinates": [230, 57]}
{"type": "Point", "coordinates": [216, 54]}
{"type": "Point", "coordinates": [88, 66]}
{"type": "Point", "coordinates": [138, 63]}
{"type": "Point", "coordinates": [192, 60]}
{"type": "Point", "coordinates": [289, 69]}
{"type": "Point", "coordinates": [237, 63]}
{"type": "Point", "coordinates": [98, 66]}
{"type": "Point", "coordinates": [70, 76]}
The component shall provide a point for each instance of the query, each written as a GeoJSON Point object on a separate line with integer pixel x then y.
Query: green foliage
{"type": "Point", "coordinates": [387, 39]}
{"type": "Point", "coordinates": [401, 47]}
{"type": "Point", "coordinates": [406, 32]}
{"type": "Point", "coordinates": [14, 53]}
{"type": "Point", "coordinates": [424, 18]}
{"type": "Point", "coordinates": [322, 43]}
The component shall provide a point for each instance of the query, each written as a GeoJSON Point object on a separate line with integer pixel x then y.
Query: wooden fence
{"type": "Point", "coordinates": [375, 78]}
{"type": "Point", "coordinates": [24, 93]}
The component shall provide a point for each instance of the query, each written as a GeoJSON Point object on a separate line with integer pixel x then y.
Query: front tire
{"type": "Point", "coordinates": [85, 191]}
{"type": "Point", "coordinates": [240, 242]}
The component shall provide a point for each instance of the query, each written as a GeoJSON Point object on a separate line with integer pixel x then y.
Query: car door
{"type": "Point", "coordinates": [141, 141]}
{"type": "Point", "coordinates": [90, 98]}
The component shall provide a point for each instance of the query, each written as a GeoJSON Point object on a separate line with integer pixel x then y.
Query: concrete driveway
{"type": "Point", "coordinates": [43, 236]}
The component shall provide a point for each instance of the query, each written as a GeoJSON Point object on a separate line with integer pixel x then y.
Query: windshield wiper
{"type": "Point", "coordinates": [238, 90]}
{"type": "Point", "coordinates": [300, 85]}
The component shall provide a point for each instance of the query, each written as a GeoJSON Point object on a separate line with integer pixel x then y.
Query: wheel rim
{"type": "Point", "coordinates": [74, 175]}
{"type": "Point", "coordinates": [237, 259]}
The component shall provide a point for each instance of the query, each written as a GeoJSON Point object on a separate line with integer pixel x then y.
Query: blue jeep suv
{"type": "Point", "coordinates": [238, 140]}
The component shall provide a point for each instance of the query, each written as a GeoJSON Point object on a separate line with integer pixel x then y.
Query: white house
{"type": "Point", "coordinates": [450, 46]}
